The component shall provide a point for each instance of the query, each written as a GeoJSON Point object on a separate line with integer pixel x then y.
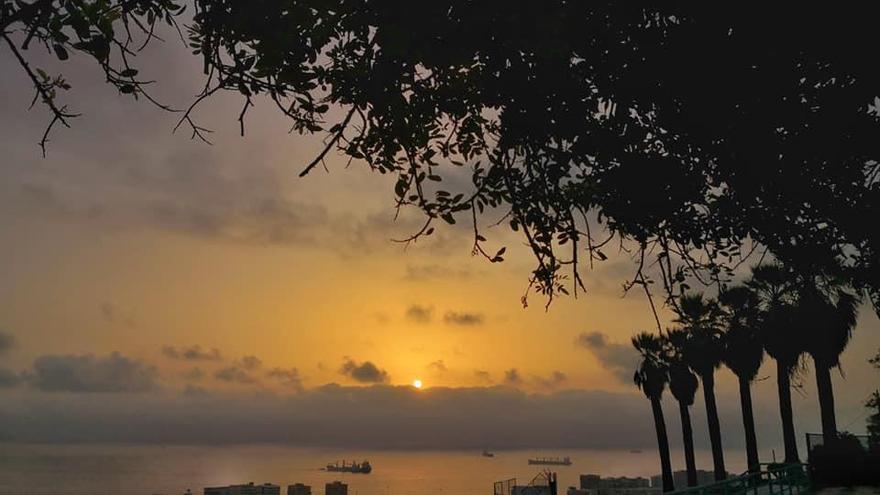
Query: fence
{"type": "Point", "coordinates": [772, 479]}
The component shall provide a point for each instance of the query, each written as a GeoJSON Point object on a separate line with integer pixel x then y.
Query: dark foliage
{"type": "Point", "coordinates": [743, 354]}
{"type": "Point", "coordinates": [743, 351]}
{"type": "Point", "coordinates": [873, 422]}
{"type": "Point", "coordinates": [683, 384]}
{"type": "Point", "coordinates": [651, 377]}
{"type": "Point", "coordinates": [683, 127]}
{"type": "Point", "coordinates": [844, 462]}
{"type": "Point", "coordinates": [702, 348]}
{"type": "Point", "coordinates": [111, 32]}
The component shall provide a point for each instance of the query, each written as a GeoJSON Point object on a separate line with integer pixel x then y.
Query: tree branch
{"type": "Point", "coordinates": [330, 144]}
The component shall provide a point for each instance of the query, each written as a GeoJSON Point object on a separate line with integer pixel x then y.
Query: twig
{"type": "Point", "coordinates": [58, 114]}
{"type": "Point", "coordinates": [330, 144]}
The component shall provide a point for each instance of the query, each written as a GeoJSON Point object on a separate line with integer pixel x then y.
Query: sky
{"type": "Point", "coordinates": [154, 288]}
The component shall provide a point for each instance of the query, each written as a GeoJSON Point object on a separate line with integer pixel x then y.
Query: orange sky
{"type": "Point", "coordinates": [129, 239]}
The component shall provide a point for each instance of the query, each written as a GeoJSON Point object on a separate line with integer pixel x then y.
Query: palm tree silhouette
{"type": "Point", "coordinates": [683, 384]}
{"type": "Point", "coordinates": [702, 350]}
{"type": "Point", "coordinates": [775, 288]}
{"type": "Point", "coordinates": [827, 312]}
{"type": "Point", "coordinates": [743, 354]}
{"type": "Point", "coordinates": [651, 377]}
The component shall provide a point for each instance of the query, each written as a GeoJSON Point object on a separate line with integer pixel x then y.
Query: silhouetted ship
{"type": "Point", "coordinates": [354, 467]}
{"type": "Point", "coordinates": [551, 461]}
{"type": "Point", "coordinates": [486, 453]}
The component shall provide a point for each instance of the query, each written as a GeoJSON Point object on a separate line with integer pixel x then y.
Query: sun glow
{"type": "Point", "coordinates": [417, 383]}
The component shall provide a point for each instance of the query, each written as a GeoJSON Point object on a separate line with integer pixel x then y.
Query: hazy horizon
{"type": "Point", "coordinates": [152, 470]}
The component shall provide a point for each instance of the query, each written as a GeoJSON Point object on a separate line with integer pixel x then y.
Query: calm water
{"type": "Point", "coordinates": [149, 470]}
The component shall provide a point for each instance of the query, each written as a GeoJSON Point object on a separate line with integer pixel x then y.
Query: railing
{"type": "Point", "coordinates": [772, 479]}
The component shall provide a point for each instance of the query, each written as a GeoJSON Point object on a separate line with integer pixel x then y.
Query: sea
{"type": "Point", "coordinates": [29, 469]}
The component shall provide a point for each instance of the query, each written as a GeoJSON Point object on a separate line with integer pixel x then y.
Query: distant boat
{"type": "Point", "coordinates": [551, 461]}
{"type": "Point", "coordinates": [486, 453]}
{"type": "Point", "coordinates": [635, 451]}
{"type": "Point", "coordinates": [354, 467]}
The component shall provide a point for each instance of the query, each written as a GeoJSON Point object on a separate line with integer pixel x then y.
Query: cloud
{"type": "Point", "coordinates": [367, 233]}
{"type": "Point", "coordinates": [199, 191]}
{"type": "Point", "coordinates": [265, 220]}
{"type": "Point", "coordinates": [365, 372]}
{"type": "Point", "coordinates": [511, 377]}
{"type": "Point", "coordinates": [199, 200]}
{"type": "Point", "coordinates": [234, 374]}
{"type": "Point", "coordinates": [381, 317]}
{"type": "Point", "coordinates": [289, 378]}
{"type": "Point", "coordinates": [250, 363]}
{"type": "Point", "coordinates": [336, 416]}
{"type": "Point", "coordinates": [108, 311]}
{"type": "Point", "coordinates": [463, 318]}
{"type": "Point", "coordinates": [551, 382]}
{"type": "Point", "coordinates": [192, 353]}
{"type": "Point", "coordinates": [7, 342]}
{"type": "Point", "coordinates": [438, 366]}
{"type": "Point", "coordinates": [419, 314]}
{"type": "Point", "coordinates": [9, 378]}
{"type": "Point", "coordinates": [619, 359]}
{"type": "Point", "coordinates": [192, 192]}
{"type": "Point", "coordinates": [431, 272]}
{"type": "Point", "coordinates": [113, 373]}
{"type": "Point", "coordinates": [483, 375]}
{"type": "Point", "coordinates": [44, 199]}
{"type": "Point", "coordinates": [194, 374]}
{"type": "Point", "coordinates": [195, 391]}
{"type": "Point", "coordinates": [111, 313]}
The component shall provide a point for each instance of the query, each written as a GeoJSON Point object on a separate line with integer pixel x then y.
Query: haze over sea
{"type": "Point", "coordinates": [150, 470]}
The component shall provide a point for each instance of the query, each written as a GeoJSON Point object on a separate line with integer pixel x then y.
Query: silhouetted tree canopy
{"type": "Point", "coordinates": [690, 128]}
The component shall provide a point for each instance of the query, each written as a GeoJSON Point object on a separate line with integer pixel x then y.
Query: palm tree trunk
{"type": "Point", "coordinates": [662, 445]}
{"type": "Point", "coordinates": [687, 433]}
{"type": "Point", "coordinates": [783, 381]}
{"type": "Point", "coordinates": [826, 401]}
{"type": "Point", "coordinates": [745, 399]}
{"type": "Point", "coordinates": [714, 425]}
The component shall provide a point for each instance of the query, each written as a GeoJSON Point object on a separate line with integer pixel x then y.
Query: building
{"type": "Point", "coordinates": [248, 489]}
{"type": "Point", "coordinates": [299, 489]}
{"type": "Point", "coordinates": [680, 479]}
{"type": "Point", "coordinates": [594, 484]}
{"type": "Point", "coordinates": [336, 488]}
{"type": "Point", "coordinates": [532, 490]}
{"type": "Point", "coordinates": [595, 481]}
{"type": "Point", "coordinates": [544, 483]}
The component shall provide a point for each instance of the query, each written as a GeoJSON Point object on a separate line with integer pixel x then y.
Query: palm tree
{"type": "Point", "coordinates": [702, 350]}
{"type": "Point", "coordinates": [683, 384]}
{"type": "Point", "coordinates": [775, 286]}
{"type": "Point", "coordinates": [743, 354]}
{"type": "Point", "coordinates": [873, 421]}
{"type": "Point", "coordinates": [827, 313]}
{"type": "Point", "coordinates": [651, 377]}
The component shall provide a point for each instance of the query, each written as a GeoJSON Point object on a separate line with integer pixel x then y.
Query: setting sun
{"type": "Point", "coordinates": [417, 383]}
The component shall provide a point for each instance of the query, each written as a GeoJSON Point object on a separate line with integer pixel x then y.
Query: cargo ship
{"type": "Point", "coordinates": [551, 461]}
{"type": "Point", "coordinates": [354, 467]}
